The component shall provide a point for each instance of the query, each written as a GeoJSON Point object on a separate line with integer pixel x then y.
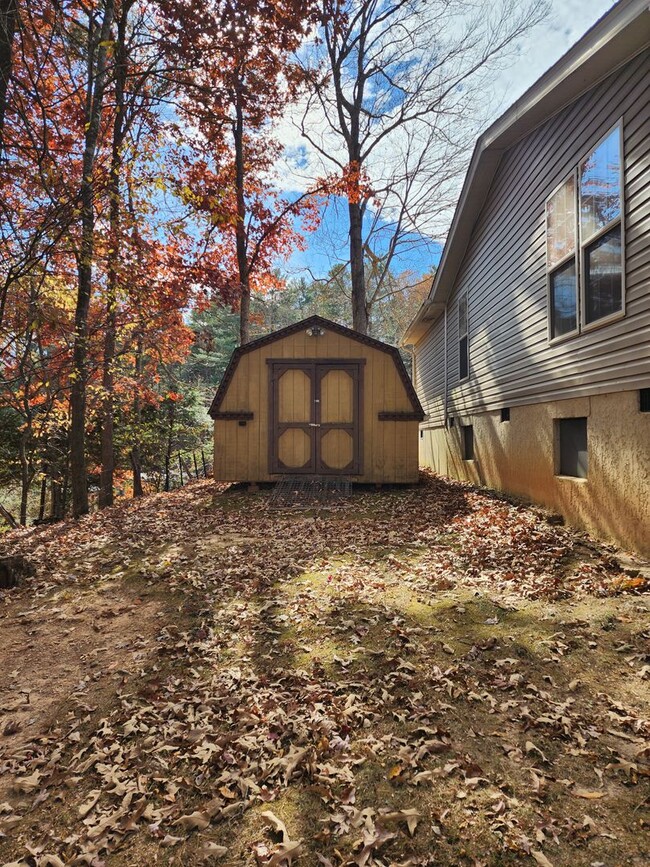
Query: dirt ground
{"type": "Point", "coordinates": [426, 676]}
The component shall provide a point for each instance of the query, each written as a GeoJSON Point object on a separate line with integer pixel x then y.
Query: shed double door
{"type": "Point", "coordinates": [315, 415]}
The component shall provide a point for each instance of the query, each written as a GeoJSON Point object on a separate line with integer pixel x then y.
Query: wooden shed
{"type": "Point", "coordinates": [320, 399]}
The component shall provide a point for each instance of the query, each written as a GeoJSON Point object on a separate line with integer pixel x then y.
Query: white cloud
{"type": "Point", "coordinates": [568, 22]}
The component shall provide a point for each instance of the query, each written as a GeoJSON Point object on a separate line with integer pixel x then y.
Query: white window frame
{"type": "Point", "coordinates": [581, 245]}
{"type": "Point", "coordinates": [584, 243]}
{"type": "Point", "coordinates": [551, 269]}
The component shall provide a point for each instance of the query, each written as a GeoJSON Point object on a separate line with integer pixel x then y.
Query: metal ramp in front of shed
{"type": "Point", "coordinates": [304, 492]}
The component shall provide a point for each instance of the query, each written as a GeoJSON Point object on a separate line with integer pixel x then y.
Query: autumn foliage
{"type": "Point", "coordinates": [137, 180]}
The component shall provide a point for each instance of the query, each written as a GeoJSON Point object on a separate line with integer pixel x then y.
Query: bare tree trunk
{"type": "Point", "coordinates": [170, 440]}
{"type": "Point", "coordinates": [9, 518]}
{"type": "Point", "coordinates": [137, 409]}
{"type": "Point", "coordinates": [57, 501]}
{"type": "Point", "coordinates": [240, 226]}
{"type": "Point", "coordinates": [94, 105]}
{"type": "Point", "coordinates": [58, 471]}
{"type": "Point", "coordinates": [43, 498]}
{"type": "Point", "coordinates": [137, 471]}
{"type": "Point", "coordinates": [108, 451]}
{"type": "Point", "coordinates": [25, 479]}
{"type": "Point", "coordinates": [357, 270]}
{"type": "Point", "coordinates": [8, 24]}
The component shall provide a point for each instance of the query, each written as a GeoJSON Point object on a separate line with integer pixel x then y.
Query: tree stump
{"type": "Point", "coordinates": [13, 570]}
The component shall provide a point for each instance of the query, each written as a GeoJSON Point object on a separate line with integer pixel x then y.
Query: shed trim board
{"type": "Point", "coordinates": [234, 416]}
{"type": "Point", "coordinates": [310, 322]}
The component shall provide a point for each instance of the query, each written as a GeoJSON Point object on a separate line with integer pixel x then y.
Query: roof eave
{"type": "Point", "coordinates": [613, 41]}
{"type": "Point", "coordinates": [423, 320]}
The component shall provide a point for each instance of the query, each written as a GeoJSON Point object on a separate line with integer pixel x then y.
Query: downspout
{"type": "Point", "coordinates": [410, 348]}
{"type": "Point", "coordinates": [445, 395]}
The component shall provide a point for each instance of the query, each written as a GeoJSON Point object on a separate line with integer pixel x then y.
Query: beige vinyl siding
{"type": "Point", "coordinates": [430, 375]}
{"type": "Point", "coordinates": [504, 270]}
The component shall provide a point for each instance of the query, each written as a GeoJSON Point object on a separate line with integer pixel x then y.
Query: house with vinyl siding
{"type": "Point", "coordinates": [532, 352]}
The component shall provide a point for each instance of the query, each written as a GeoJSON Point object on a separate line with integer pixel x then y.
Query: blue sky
{"type": "Point", "coordinates": [328, 244]}
{"type": "Point", "coordinates": [568, 21]}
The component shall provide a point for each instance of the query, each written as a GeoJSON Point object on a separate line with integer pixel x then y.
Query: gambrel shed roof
{"type": "Point", "coordinates": [304, 324]}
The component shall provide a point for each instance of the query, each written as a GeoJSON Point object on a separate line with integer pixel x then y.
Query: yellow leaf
{"type": "Point", "coordinates": [585, 793]}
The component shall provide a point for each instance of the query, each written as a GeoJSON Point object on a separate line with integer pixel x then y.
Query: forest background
{"type": "Point", "coordinates": [163, 166]}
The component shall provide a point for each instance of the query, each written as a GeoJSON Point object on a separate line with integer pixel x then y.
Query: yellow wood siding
{"type": "Point", "coordinates": [336, 396]}
{"type": "Point", "coordinates": [295, 396]}
{"type": "Point", "coordinates": [389, 449]}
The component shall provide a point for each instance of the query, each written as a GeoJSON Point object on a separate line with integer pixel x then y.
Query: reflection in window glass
{"type": "Point", "coordinates": [564, 307]}
{"type": "Point", "coordinates": [600, 186]}
{"type": "Point", "coordinates": [462, 315]}
{"type": "Point", "coordinates": [561, 220]}
{"type": "Point", "coordinates": [603, 284]}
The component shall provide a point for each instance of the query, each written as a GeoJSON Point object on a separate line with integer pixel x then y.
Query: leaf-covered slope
{"type": "Point", "coordinates": [426, 676]}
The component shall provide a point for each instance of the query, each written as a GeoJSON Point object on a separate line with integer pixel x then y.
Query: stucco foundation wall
{"type": "Point", "coordinates": [519, 457]}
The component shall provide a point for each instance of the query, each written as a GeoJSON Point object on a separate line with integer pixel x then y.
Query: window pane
{"type": "Point", "coordinates": [603, 279]}
{"type": "Point", "coordinates": [464, 358]}
{"type": "Point", "coordinates": [462, 315]}
{"type": "Point", "coordinates": [573, 447]}
{"type": "Point", "coordinates": [468, 442]}
{"type": "Point", "coordinates": [564, 306]}
{"type": "Point", "coordinates": [600, 186]}
{"type": "Point", "coordinates": [561, 222]}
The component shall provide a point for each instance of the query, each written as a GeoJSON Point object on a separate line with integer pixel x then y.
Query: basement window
{"type": "Point", "coordinates": [505, 413]}
{"type": "Point", "coordinates": [572, 447]}
{"type": "Point", "coordinates": [644, 399]}
{"type": "Point", "coordinates": [468, 442]}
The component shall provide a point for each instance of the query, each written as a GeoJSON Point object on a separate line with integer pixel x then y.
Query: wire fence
{"type": "Point", "coordinates": [188, 466]}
